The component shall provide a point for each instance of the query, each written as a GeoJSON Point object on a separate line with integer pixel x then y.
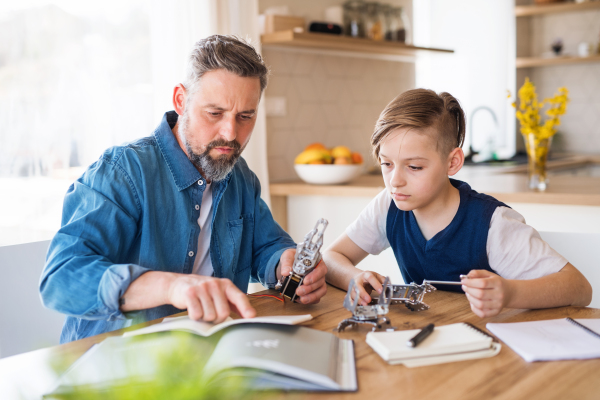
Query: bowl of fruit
{"type": "Point", "coordinates": [322, 166]}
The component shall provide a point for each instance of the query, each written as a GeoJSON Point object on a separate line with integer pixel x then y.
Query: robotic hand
{"type": "Point", "coordinates": [308, 256]}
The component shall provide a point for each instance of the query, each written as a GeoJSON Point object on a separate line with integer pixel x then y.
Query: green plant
{"type": "Point", "coordinates": [178, 366]}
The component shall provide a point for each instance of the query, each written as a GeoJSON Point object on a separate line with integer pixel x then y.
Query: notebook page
{"type": "Point", "coordinates": [453, 338]}
{"type": "Point", "coordinates": [591, 323]}
{"type": "Point", "coordinates": [555, 339]}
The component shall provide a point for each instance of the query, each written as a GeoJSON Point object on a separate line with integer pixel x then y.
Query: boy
{"type": "Point", "coordinates": [439, 228]}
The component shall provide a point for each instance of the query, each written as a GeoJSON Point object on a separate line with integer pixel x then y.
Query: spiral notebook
{"type": "Point", "coordinates": [554, 339]}
{"type": "Point", "coordinates": [448, 343]}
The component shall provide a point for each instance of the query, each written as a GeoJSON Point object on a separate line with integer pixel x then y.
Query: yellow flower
{"type": "Point", "coordinates": [528, 112]}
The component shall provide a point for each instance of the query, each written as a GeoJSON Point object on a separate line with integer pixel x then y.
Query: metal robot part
{"type": "Point", "coordinates": [410, 295]}
{"type": "Point", "coordinates": [308, 256]}
{"type": "Point", "coordinates": [372, 314]}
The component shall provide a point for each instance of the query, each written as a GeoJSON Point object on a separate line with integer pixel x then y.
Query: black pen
{"type": "Point", "coordinates": [419, 337]}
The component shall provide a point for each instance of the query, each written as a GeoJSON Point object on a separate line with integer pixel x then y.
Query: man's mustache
{"type": "Point", "coordinates": [223, 143]}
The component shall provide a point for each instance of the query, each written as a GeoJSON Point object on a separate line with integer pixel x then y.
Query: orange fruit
{"type": "Point", "coordinates": [315, 146]}
{"type": "Point", "coordinates": [357, 158]}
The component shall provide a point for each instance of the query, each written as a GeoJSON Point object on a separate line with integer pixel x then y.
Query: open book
{"type": "Point", "coordinates": [202, 328]}
{"type": "Point", "coordinates": [448, 343]}
{"type": "Point", "coordinates": [554, 339]}
{"type": "Point", "coordinates": [271, 355]}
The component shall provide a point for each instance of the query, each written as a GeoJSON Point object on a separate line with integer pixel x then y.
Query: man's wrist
{"type": "Point", "coordinates": [150, 289]}
{"type": "Point", "coordinates": [167, 284]}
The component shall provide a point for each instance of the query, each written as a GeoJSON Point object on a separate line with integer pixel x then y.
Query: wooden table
{"type": "Point", "coordinates": [505, 376]}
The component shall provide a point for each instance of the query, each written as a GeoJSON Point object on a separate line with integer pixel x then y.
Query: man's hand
{"type": "Point", "coordinates": [487, 292]}
{"type": "Point", "coordinates": [366, 282]}
{"type": "Point", "coordinates": [207, 298]}
{"type": "Point", "coordinates": [313, 287]}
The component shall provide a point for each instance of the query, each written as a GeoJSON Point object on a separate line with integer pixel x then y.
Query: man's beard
{"type": "Point", "coordinates": [214, 169]}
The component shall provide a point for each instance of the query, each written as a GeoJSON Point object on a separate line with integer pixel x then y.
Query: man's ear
{"type": "Point", "coordinates": [179, 98]}
{"type": "Point", "coordinates": [456, 159]}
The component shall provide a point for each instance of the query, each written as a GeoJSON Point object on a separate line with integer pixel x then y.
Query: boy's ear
{"type": "Point", "coordinates": [456, 159]}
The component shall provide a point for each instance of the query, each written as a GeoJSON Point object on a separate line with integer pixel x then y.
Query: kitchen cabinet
{"type": "Point", "coordinates": [537, 26]}
{"type": "Point", "coordinates": [539, 9]}
{"type": "Point", "coordinates": [523, 27]}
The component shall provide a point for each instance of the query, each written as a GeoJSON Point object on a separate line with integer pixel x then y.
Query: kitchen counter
{"type": "Point", "coordinates": [507, 184]}
{"type": "Point", "coordinates": [562, 189]}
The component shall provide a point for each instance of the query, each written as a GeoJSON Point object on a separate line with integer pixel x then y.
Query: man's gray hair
{"type": "Point", "coordinates": [226, 52]}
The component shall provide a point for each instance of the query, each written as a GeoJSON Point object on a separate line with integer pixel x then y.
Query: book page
{"type": "Point", "coordinates": [207, 328]}
{"type": "Point", "coordinates": [295, 351]}
{"type": "Point", "coordinates": [120, 361]}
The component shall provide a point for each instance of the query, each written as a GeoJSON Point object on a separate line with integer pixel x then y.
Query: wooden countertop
{"type": "Point", "coordinates": [505, 376]}
{"type": "Point", "coordinates": [507, 184]}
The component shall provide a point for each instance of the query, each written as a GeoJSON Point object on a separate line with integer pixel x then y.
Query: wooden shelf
{"type": "Point", "coordinates": [528, 62]}
{"type": "Point", "coordinates": [342, 43]}
{"type": "Point", "coordinates": [537, 9]}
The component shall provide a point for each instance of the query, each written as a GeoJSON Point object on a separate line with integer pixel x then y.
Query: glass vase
{"type": "Point", "coordinates": [537, 157]}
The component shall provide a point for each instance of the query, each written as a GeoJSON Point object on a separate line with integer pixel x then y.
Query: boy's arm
{"type": "Point", "coordinates": [489, 293]}
{"type": "Point", "coordinates": [341, 258]}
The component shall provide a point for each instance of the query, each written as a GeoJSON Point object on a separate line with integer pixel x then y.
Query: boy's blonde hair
{"type": "Point", "coordinates": [420, 109]}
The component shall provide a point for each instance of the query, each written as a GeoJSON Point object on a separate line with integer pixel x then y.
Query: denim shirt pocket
{"type": "Point", "coordinates": [240, 232]}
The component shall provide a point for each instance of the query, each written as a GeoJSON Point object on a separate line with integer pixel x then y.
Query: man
{"type": "Point", "coordinates": [174, 221]}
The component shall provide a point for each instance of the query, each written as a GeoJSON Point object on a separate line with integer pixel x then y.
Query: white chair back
{"type": "Point", "coordinates": [583, 251]}
{"type": "Point", "coordinates": [25, 324]}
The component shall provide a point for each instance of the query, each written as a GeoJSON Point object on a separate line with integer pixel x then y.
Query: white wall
{"type": "Point", "coordinates": [303, 212]}
{"type": "Point", "coordinates": [482, 68]}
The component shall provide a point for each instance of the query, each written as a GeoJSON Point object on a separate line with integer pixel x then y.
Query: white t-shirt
{"type": "Point", "coordinates": [202, 262]}
{"type": "Point", "coordinates": [515, 250]}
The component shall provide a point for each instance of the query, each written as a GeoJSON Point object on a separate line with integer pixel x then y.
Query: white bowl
{"type": "Point", "coordinates": [327, 174]}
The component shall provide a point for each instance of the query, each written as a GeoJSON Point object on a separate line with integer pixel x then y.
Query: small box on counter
{"type": "Point", "coordinates": [276, 23]}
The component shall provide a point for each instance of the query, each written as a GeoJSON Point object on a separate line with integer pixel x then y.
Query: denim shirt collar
{"type": "Point", "coordinates": [183, 171]}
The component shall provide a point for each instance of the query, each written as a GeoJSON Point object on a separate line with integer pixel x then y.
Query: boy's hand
{"type": "Point", "coordinates": [487, 292]}
{"type": "Point", "coordinates": [313, 287]}
{"type": "Point", "coordinates": [367, 282]}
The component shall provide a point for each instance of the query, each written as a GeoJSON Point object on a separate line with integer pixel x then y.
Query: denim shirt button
{"type": "Point", "coordinates": [191, 254]}
{"type": "Point", "coordinates": [197, 207]}
{"type": "Point", "coordinates": [200, 183]}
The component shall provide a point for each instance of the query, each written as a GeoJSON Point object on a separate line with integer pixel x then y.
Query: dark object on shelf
{"type": "Point", "coordinates": [325, 27]}
{"type": "Point", "coordinates": [517, 159]}
{"type": "Point", "coordinates": [557, 46]}
{"type": "Point", "coordinates": [353, 18]}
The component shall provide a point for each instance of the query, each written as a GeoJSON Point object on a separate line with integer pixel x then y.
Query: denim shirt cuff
{"type": "Point", "coordinates": [270, 271]}
{"type": "Point", "coordinates": [113, 285]}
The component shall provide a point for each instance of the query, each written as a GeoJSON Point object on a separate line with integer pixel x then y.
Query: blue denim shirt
{"type": "Point", "coordinates": [134, 210]}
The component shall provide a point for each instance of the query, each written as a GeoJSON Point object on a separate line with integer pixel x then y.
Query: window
{"type": "Point", "coordinates": [75, 79]}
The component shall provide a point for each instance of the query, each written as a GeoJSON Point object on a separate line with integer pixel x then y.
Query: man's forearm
{"type": "Point", "coordinates": [149, 290]}
{"type": "Point", "coordinates": [563, 288]}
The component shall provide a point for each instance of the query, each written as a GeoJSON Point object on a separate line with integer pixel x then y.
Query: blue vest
{"type": "Point", "coordinates": [455, 250]}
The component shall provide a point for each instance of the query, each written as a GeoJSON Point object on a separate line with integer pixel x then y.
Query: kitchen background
{"type": "Point", "coordinates": [331, 99]}
{"type": "Point", "coordinates": [77, 77]}
{"type": "Point", "coordinates": [580, 128]}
